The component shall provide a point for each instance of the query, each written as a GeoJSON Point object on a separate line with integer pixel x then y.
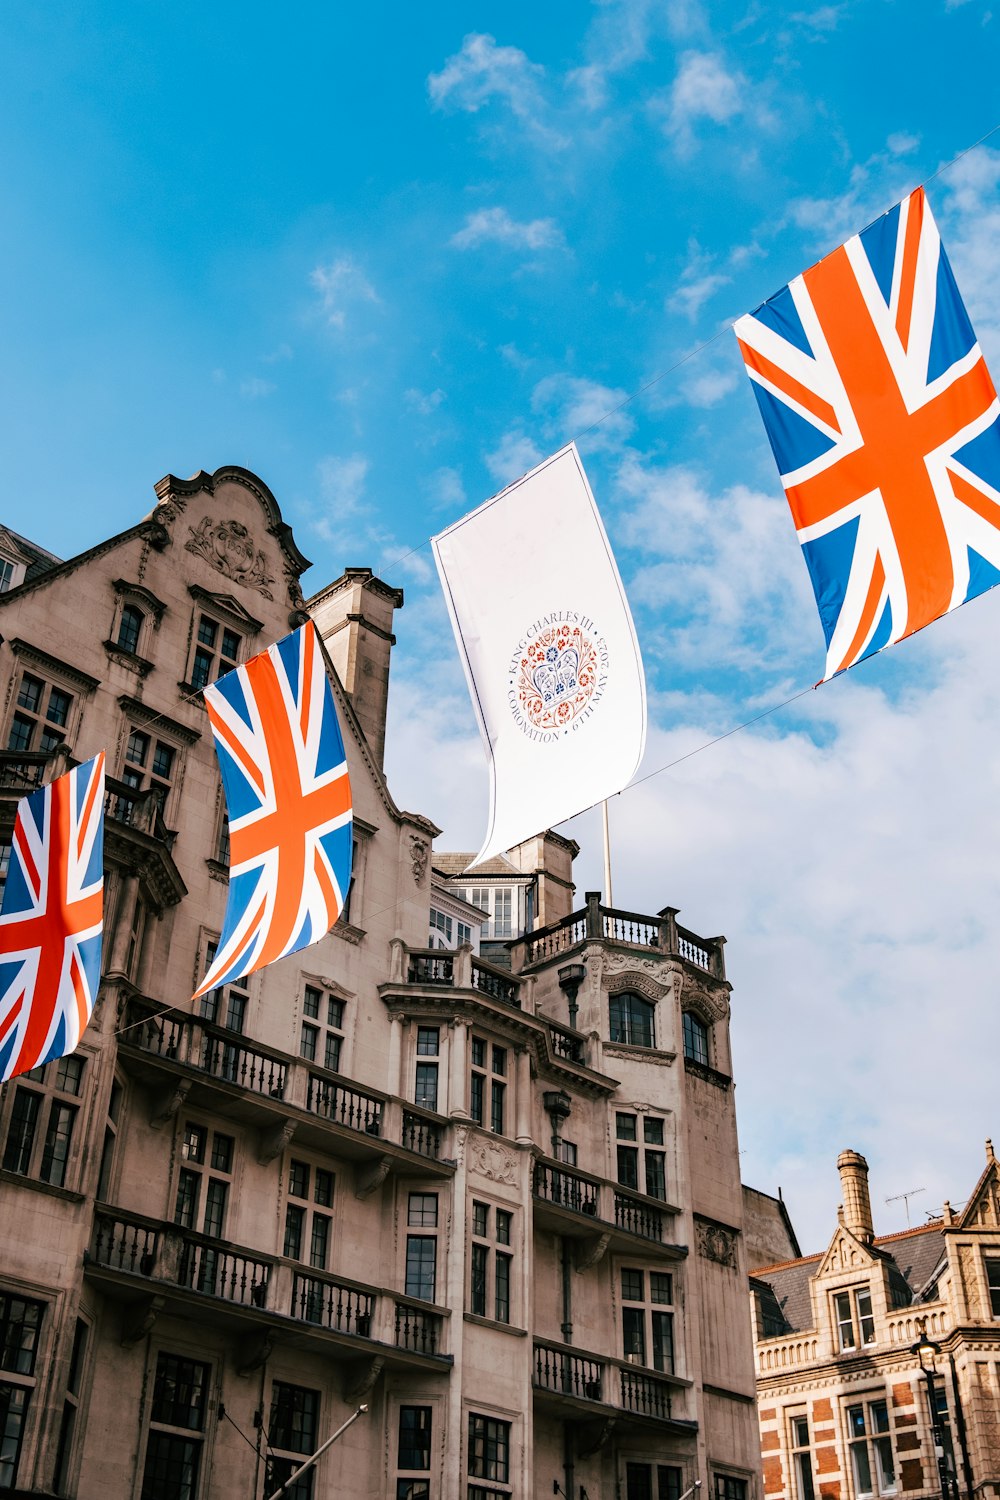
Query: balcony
{"type": "Point", "coordinates": [574, 1383]}
{"type": "Point", "coordinates": [21, 771]}
{"type": "Point", "coordinates": [227, 1285]}
{"type": "Point", "coordinates": [581, 1207]}
{"type": "Point", "coordinates": [140, 810]}
{"type": "Point", "coordinates": [595, 923]}
{"type": "Point", "coordinates": [433, 967]}
{"type": "Point", "coordinates": [181, 1057]}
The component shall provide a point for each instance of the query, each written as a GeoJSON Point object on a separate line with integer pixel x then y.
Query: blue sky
{"type": "Point", "coordinates": [389, 258]}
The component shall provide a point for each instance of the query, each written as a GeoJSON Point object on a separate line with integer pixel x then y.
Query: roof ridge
{"type": "Point", "coordinates": [784, 1265]}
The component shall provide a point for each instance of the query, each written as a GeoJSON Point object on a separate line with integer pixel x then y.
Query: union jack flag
{"type": "Point", "coordinates": [885, 427]}
{"type": "Point", "coordinates": [52, 920]}
{"type": "Point", "coordinates": [289, 800]}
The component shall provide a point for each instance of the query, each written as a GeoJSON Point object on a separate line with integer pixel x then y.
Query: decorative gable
{"type": "Point", "coordinates": [983, 1209]}
{"type": "Point", "coordinates": [845, 1253]}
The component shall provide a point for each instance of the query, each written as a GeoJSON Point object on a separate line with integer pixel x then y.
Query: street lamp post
{"type": "Point", "coordinates": [926, 1349]}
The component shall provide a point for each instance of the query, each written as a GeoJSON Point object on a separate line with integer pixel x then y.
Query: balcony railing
{"type": "Point", "coordinates": [417, 1329]}
{"type": "Point", "coordinates": [568, 1374]}
{"type": "Point", "coordinates": [213, 1051]}
{"type": "Point", "coordinates": [606, 924]}
{"type": "Point", "coordinates": [137, 808]}
{"type": "Point", "coordinates": [345, 1105]}
{"type": "Point", "coordinates": [164, 1253]}
{"type": "Point", "coordinates": [237, 1062]}
{"type": "Point", "coordinates": [431, 966]}
{"type": "Point", "coordinates": [637, 1217]}
{"type": "Point", "coordinates": [645, 1395]}
{"type": "Point", "coordinates": [236, 1277]}
{"type": "Point", "coordinates": [332, 1304]}
{"type": "Point", "coordinates": [496, 984]}
{"type": "Point", "coordinates": [22, 770]}
{"type": "Point", "coordinates": [566, 1189]}
{"type": "Point", "coordinates": [421, 1135]}
{"type": "Point", "coordinates": [568, 1045]}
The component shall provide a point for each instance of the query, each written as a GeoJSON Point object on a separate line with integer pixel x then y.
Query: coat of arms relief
{"type": "Point", "coordinates": [231, 550]}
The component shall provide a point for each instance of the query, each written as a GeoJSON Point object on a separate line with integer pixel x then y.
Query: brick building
{"type": "Point", "coordinates": [850, 1406]}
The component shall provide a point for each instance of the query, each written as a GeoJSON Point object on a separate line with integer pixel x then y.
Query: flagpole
{"type": "Point", "coordinates": [608, 898]}
{"type": "Point", "coordinates": [318, 1454]}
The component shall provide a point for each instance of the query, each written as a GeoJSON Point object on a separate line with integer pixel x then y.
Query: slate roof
{"type": "Point", "coordinates": [913, 1256]}
{"type": "Point", "coordinates": [450, 865]}
{"type": "Point", "coordinates": [39, 560]}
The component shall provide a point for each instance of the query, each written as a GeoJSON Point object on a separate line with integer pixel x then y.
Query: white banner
{"type": "Point", "coordinates": [549, 649]}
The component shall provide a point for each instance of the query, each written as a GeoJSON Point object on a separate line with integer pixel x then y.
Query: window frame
{"type": "Point", "coordinates": [650, 1316]}
{"type": "Point", "coordinates": [870, 1441]}
{"type": "Point", "coordinates": [21, 1382]}
{"type": "Point", "coordinates": [696, 1038]}
{"type": "Point", "coordinates": [44, 733]}
{"type": "Point", "coordinates": [488, 1450]}
{"type": "Point", "coordinates": [631, 1018]}
{"type": "Point", "coordinates": [412, 1482]}
{"type": "Point", "coordinates": [315, 1206]}
{"type": "Point", "coordinates": [177, 1434]}
{"type": "Point", "coordinates": [415, 1257]}
{"type": "Point", "coordinates": [491, 1261]}
{"type": "Point", "coordinates": [285, 1458]}
{"type": "Point", "coordinates": [45, 1087]}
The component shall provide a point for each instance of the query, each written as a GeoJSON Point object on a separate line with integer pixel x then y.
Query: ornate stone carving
{"type": "Point", "coordinates": [254, 1352]}
{"type": "Point", "coordinates": [716, 1243]}
{"type": "Point", "coordinates": [970, 1282]}
{"type": "Point", "coordinates": [168, 1102]}
{"type": "Point", "coordinates": [272, 1142]}
{"type": "Point", "coordinates": [645, 975]}
{"type": "Point", "coordinates": [139, 1319]}
{"type": "Point", "coordinates": [493, 1162]}
{"type": "Point", "coordinates": [368, 1178]}
{"type": "Point", "coordinates": [591, 1250]}
{"type": "Point", "coordinates": [359, 1383]}
{"type": "Point", "coordinates": [713, 1004]}
{"type": "Point", "coordinates": [419, 849]}
{"type": "Point", "coordinates": [229, 548]}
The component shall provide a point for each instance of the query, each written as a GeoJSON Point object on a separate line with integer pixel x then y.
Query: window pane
{"type": "Point", "coordinates": [414, 1451]}
{"type": "Point", "coordinates": [628, 1166]}
{"type": "Point", "coordinates": [294, 1220]}
{"type": "Point", "coordinates": [634, 1334]}
{"type": "Point", "coordinates": [20, 733]}
{"type": "Point", "coordinates": [215, 1207]}
{"type": "Point", "coordinates": [230, 645]}
{"type": "Point", "coordinates": [21, 1131]}
{"type": "Point", "coordinates": [171, 1468]}
{"type": "Point", "coordinates": [137, 748]}
{"type": "Point", "coordinates": [163, 761]}
{"type": "Point", "coordinates": [993, 1282]}
{"type": "Point", "coordinates": [502, 1288]}
{"type": "Point", "coordinates": [320, 1241]}
{"type": "Point", "coordinates": [323, 1191]}
{"type": "Point", "coordinates": [652, 1132]}
{"type": "Point", "coordinates": [632, 1286]}
{"type": "Point", "coordinates": [480, 1257]}
{"type": "Point", "coordinates": [503, 1226]}
{"type": "Point", "coordinates": [422, 1210]}
{"type": "Point", "coordinates": [638, 1482]}
{"type": "Point", "coordinates": [663, 1341]}
{"type": "Point", "coordinates": [421, 1266]}
{"type": "Point", "coordinates": [661, 1288]}
{"type": "Point", "coordinates": [426, 1085]}
{"type": "Point", "coordinates": [498, 1091]}
{"type": "Point", "coordinates": [294, 1412]}
{"type": "Point", "coordinates": [656, 1174]}
{"type": "Point", "coordinates": [307, 1042]}
{"type": "Point", "coordinates": [222, 1152]}
{"type": "Point", "coordinates": [60, 704]}
{"type": "Point", "coordinates": [476, 1089]}
{"type": "Point", "coordinates": [695, 1038]}
{"type": "Point", "coordinates": [331, 1057]}
{"type": "Point", "coordinates": [207, 631]}
{"type": "Point", "coordinates": [58, 1138]}
{"type": "Point", "coordinates": [428, 1038]}
{"type": "Point", "coordinates": [187, 1198]}
{"type": "Point", "coordinates": [480, 1218]}
{"type": "Point", "coordinates": [30, 694]}
{"type": "Point", "coordinates": [20, 1321]}
{"type": "Point", "coordinates": [69, 1074]}
{"type": "Point", "coordinates": [179, 1392]}
{"type": "Point", "coordinates": [128, 628]}
{"type": "Point", "coordinates": [310, 1004]}
{"type": "Point", "coordinates": [298, 1179]}
{"type": "Point", "coordinates": [625, 1127]}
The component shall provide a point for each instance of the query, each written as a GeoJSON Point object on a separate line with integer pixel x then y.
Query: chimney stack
{"type": "Point", "coordinates": [853, 1171]}
{"type": "Point", "coordinates": [354, 617]}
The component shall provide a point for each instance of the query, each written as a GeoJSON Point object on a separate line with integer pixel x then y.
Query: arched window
{"type": "Point", "coordinates": [632, 1019]}
{"type": "Point", "coordinates": [129, 627]}
{"type": "Point", "coordinates": [695, 1038]}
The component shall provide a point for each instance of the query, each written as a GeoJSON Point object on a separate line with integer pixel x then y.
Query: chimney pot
{"type": "Point", "coordinates": [853, 1169]}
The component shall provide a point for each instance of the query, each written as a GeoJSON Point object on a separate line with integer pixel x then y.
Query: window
{"type": "Point", "coordinates": [729, 1487]}
{"type": "Point", "coordinates": [442, 929]}
{"type": "Point", "coordinates": [225, 1006]}
{"type": "Point", "coordinates": [413, 1453]}
{"type": "Point", "coordinates": [648, 1320]}
{"type": "Point", "coordinates": [129, 628]}
{"type": "Point", "coordinates": [41, 1113]}
{"type": "Point", "coordinates": [176, 1429]}
{"type": "Point", "coordinates": [487, 1084]}
{"type": "Point", "coordinates": [203, 1185]}
{"type": "Point", "coordinates": [216, 652]}
{"type": "Point", "coordinates": [497, 903]}
{"type": "Point", "coordinates": [6, 575]}
{"type": "Point", "coordinates": [421, 1249]}
{"type": "Point", "coordinates": [632, 1020]}
{"type": "Point", "coordinates": [802, 1459]}
{"type": "Point", "coordinates": [993, 1283]}
{"type": "Point", "coordinates": [652, 1482]}
{"type": "Point", "coordinates": [110, 1137]}
{"type": "Point", "coordinates": [489, 1454]}
{"type": "Point", "coordinates": [322, 1037]}
{"type": "Point", "coordinates": [491, 1260]}
{"type": "Point", "coordinates": [695, 1038]}
{"type": "Point", "coordinates": [292, 1436]}
{"type": "Point", "coordinates": [20, 1327]}
{"type": "Point", "coordinates": [425, 1087]}
{"type": "Point", "coordinates": [308, 1224]}
{"type": "Point", "coordinates": [71, 1403]}
{"type": "Point", "coordinates": [855, 1322]}
{"type": "Point", "coordinates": [872, 1461]}
{"type": "Point", "coordinates": [149, 762]}
{"type": "Point", "coordinates": [41, 716]}
{"type": "Point", "coordinates": [641, 1167]}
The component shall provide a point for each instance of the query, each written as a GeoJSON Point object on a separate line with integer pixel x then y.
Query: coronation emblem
{"type": "Point", "coordinates": [555, 673]}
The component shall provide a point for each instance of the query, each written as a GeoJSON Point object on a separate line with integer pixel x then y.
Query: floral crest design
{"type": "Point", "coordinates": [556, 675]}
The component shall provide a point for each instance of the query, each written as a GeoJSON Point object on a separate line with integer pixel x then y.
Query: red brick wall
{"type": "Point", "coordinates": [773, 1481]}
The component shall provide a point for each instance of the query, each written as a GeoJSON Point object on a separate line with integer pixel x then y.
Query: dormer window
{"type": "Point", "coordinates": [11, 574]}
{"type": "Point", "coordinates": [855, 1322]}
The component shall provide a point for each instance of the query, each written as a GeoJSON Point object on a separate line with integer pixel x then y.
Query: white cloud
{"type": "Point", "coordinates": [513, 456]}
{"type": "Point", "coordinates": [821, 21]}
{"type": "Point", "coordinates": [695, 290]}
{"type": "Point", "coordinates": [708, 387]}
{"type": "Point", "coordinates": [445, 489]}
{"type": "Point", "coordinates": [570, 404]}
{"type": "Point", "coordinates": [495, 226]}
{"type": "Point", "coordinates": [902, 142]}
{"type": "Point", "coordinates": [704, 89]}
{"type": "Point", "coordinates": [483, 73]}
{"type": "Point", "coordinates": [341, 285]}
{"type": "Point", "coordinates": [424, 403]}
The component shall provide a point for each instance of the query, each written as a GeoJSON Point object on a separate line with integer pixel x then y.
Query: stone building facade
{"type": "Point", "coordinates": [496, 1206]}
{"type": "Point", "coordinates": [849, 1405]}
